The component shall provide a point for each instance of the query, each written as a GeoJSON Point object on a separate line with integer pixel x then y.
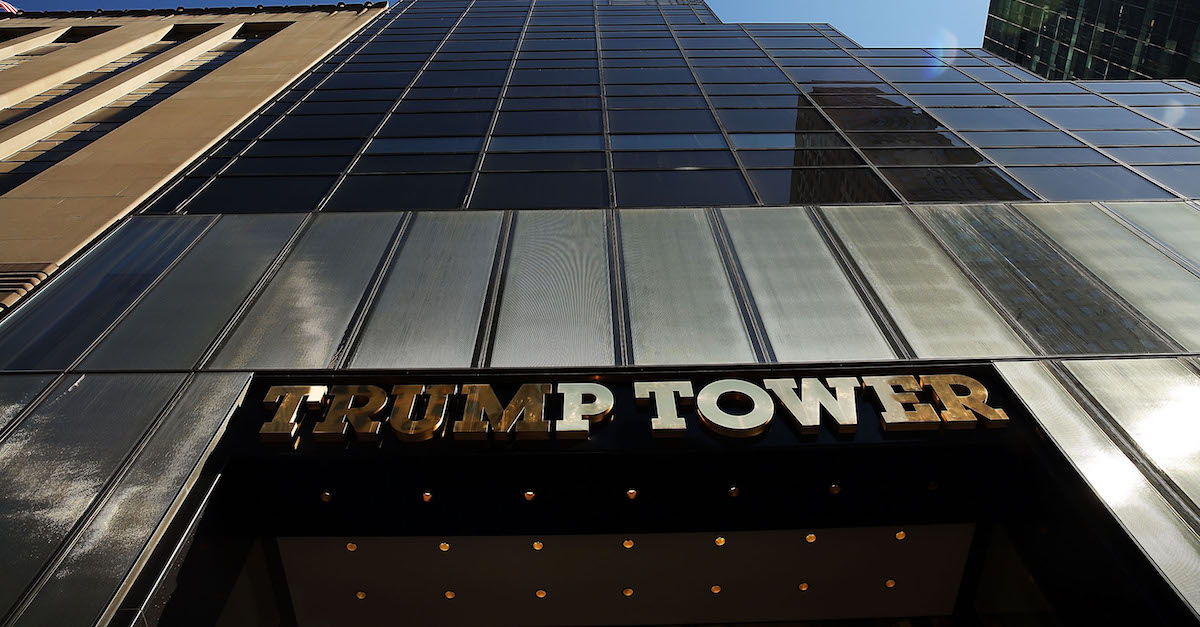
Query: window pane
{"type": "Point", "coordinates": [809, 309]}
{"type": "Point", "coordinates": [548, 142]}
{"type": "Point", "coordinates": [428, 309]}
{"type": "Point", "coordinates": [162, 333]}
{"type": "Point", "coordinates": [908, 270]}
{"type": "Point", "coordinates": [556, 308]}
{"type": "Point", "coordinates": [955, 184]}
{"type": "Point", "coordinates": [738, 120]}
{"type": "Point", "coordinates": [1088, 183]}
{"type": "Point", "coordinates": [667, 121]}
{"type": "Point", "coordinates": [681, 306]}
{"type": "Point", "coordinates": [785, 187]}
{"type": "Point", "coordinates": [1095, 118]}
{"type": "Point", "coordinates": [667, 160]}
{"type": "Point", "coordinates": [383, 192]}
{"type": "Point", "coordinates": [549, 122]}
{"type": "Point", "coordinates": [53, 328]}
{"type": "Point", "coordinates": [681, 141]}
{"type": "Point", "coordinates": [299, 319]}
{"type": "Point", "coordinates": [673, 188]}
{"type": "Point", "coordinates": [510, 190]}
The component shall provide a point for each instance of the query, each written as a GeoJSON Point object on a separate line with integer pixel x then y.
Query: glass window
{"type": "Point", "coordinates": [664, 121]}
{"type": "Point", "coordinates": [681, 307]}
{"type": "Point", "coordinates": [740, 75]}
{"type": "Point", "coordinates": [549, 122]}
{"type": "Point", "coordinates": [290, 148]}
{"type": "Point", "coordinates": [542, 104]}
{"type": "Point", "coordinates": [741, 120]}
{"type": "Point", "coordinates": [924, 156]}
{"type": "Point", "coordinates": [511, 190]}
{"type": "Point", "coordinates": [1047, 156]}
{"type": "Point", "coordinates": [420, 162]}
{"type": "Point", "coordinates": [831, 74]}
{"type": "Point", "coordinates": [670, 160]}
{"type": "Point", "coordinates": [425, 145]}
{"type": "Point", "coordinates": [548, 142]}
{"type": "Point", "coordinates": [678, 141]}
{"type": "Point", "coordinates": [665, 102]}
{"type": "Point", "coordinates": [1157, 154]}
{"type": "Point", "coordinates": [908, 138]}
{"type": "Point", "coordinates": [223, 266]}
{"type": "Point", "coordinates": [994, 119]}
{"type": "Point", "coordinates": [1158, 100]}
{"type": "Point", "coordinates": [287, 165]}
{"type": "Point", "coordinates": [798, 158]}
{"type": "Point", "coordinates": [674, 188]}
{"type": "Point", "coordinates": [801, 186]}
{"type": "Point", "coordinates": [388, 192]}
{"type": "Point", "coordinates": [1137, 138]}
{"type": "Point", "coordinates": [908, 271]}
{"type": "Point", "coordinates": [1061, 100]}
{"type": "Point", "coordinates": [257, 194]}
{"type": "Point", "coordinates": [1095, 118]}
{"type": "Point", "coordinates": [648, 75]}
{"type": "Point", "coordinates": [556, 309]}
{"type": "Point", "coordinates": [955, 184]}
{"type": "Point", "coordinates": [883, 119]}
{"type": "Point", "coordinates": [55, 327]}
{"type": "Point", "coordinates": [412, 325]}
{"type": "Point", "coordinates": [914, 74]}
{"type": "Point", "coordinates": [809, 309]}
{"type": "Point", "coordinates": [1060, 306]}
{"type": "Point", "coordinates": [1184, 179]}
{"type": "Point", "coordinates": [544, 161]}
{"type": "Point", "coordinates": [1022, 138]}
{"type": "Point", "coordinates": [787, 140]}
{"type": "Point", "coordinates": [436, 124]}
{"type": "Point", "coordinates": [1179, 117]}
{"type": "Point", "coordinates": [323, 126]}
{"type": "Point", "coordinates": [1088, 183]}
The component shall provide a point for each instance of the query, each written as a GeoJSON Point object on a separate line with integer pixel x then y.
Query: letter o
{"type": "Point", "coordinates": [750, 424]}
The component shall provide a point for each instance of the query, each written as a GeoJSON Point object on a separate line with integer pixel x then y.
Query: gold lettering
{"type": "Point", "coordinates": [289, 399]}
{"type": "Point", "coordinates": [960, 410]}
{"type": "Point", "coordinates": [352, 407]}
{"type": "Point", "coordinates": [523, 414]}
{"type": "Point", "coordinates": [577, 415]}
{"type": "Point", "coordinates": [428, 427]}
{"type": "Point", "coordinates": [750, 424]}
{"type": "Point", "coordinates": [666, 422]}
{"type": "Point", "coordinates": [895, 415]}
{"type": "Point", "coordinates": [806, 408]}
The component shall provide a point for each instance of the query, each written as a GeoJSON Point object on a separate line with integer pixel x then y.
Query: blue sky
{"type": "Point", "coordinates": [875, 23]}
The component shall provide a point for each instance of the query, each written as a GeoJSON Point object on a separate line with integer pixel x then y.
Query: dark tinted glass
{"type": "Point", "coordinates": [245, 194]}
{"type": "Point", "coordinates": [955, 184]}
{"type": "Point", "coordinates": [882, 140]}
{"type": "Point", "coordinates": [682, 188]}
{"type": "Point", "coordinates": [784, 187]}
{"type": "Point", "coordinates": [549, 122]}
{"type": "Point", "coordinates": [883, 119]}
{"type": "Point", "coordinates": [924, 156]}
{"type": "Point", "coordinates": [741, 120]}
{"type": "Point", "coordinates": [798, 158]}
{"type": "Point", "coordinates": [656, 160]}
{"type": "Point", "coordinates": [662, 121]}
{"type": "Point", "coordinates": [1088, 183]}
{"type": "Point", "coordinates": [510, 190]}
{"type": "Point", "coordinates": [400, 191]}
{"type": "Point", "coordinates": [544, 161]}
{"type": "Point", "coordinates": [383, 164]}
{"type": "Point", "coordinates": [323, 126]}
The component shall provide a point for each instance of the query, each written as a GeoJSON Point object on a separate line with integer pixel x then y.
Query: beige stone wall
{"type": "Point", "coordinates": [52, 216]}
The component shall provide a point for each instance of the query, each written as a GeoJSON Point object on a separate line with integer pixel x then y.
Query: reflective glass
{"type": "Point", "coordinates": [548, 142]}
{"type": "Point", "coordinates": [800, 186]}
{"type": "Point", "coordinates": [1047, 156]}
{"type": "Point", "coordinates": [955, 184]}
{"type": "Point", "coordinates": [993, 119]}
{"type": "Point", "coordinates": [1184, 179]}
{"type": "Point", "coordinates": [1088, 183]}
{"type": "Point", "coordinates": [382, 192]}
{"type": "Point", "coordinates": [505, 190]}
{"type": "Point", "coordinates": [1095, 118]}
{"type": "Point", "coordinates": [675, 188]}
{"type": "Point", "coordinates": [681, 141]}
{"type": "Point", "coordinates": [665, 121]}
{"type": "Point", "coordinates": [893, 119]}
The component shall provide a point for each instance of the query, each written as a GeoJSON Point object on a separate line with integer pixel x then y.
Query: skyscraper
{"type": "Point", "coordinates": [607, 312]}
{"type": "Point", "coordinates": [1098, 39]}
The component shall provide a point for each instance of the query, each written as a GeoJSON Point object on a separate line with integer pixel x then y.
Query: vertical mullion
{"type": "Point", "coordinates": [608, 157]}
{"type": "Point", "coordinates": [824, 115]}
{"type": "Point", "coordinates": [712, 110]}
{"type": "Point", "coordinates": [391, 111]}
{"type": "Point", "coordinates": [487, 138]}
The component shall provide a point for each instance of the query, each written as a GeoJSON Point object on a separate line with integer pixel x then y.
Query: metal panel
{"type": "Point", "coordinates": [301, 316]}
{"type": "Point", "coordinates": [556, 308]}
{"type": "Point", "coordinates": [681, 307]}
{"type": "Point", "coordinates": [1065, 310]}
{"type": "Point", "coordinates": [58, 459]}
{"type": "Point", "coordinates": [807, 304]}
{"type": "Point", "coordinates": [936, 307]}
{"type": "Point", "coordinates": [1154, 526]}
{"type": "Point", "coordinates": [171, 327]}
{"type": "Point", "coordinates": [17, 391]}
{"type": "Point", "coordinates": [1163, 291]}
{"type": "Point", "coordinates": [1176, 224]}
{"type": "Point", "coordinates": [58, 324]}
{"type": "Point", "coordinates": [1154, 401]}
{"type": "Point", "coordinates": [427, 313]}
{"type": "Point", "coordinates": [109, 550]}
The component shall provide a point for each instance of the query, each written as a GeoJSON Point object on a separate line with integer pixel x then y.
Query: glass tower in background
{"type": "Point", "coordinates": [1098, 39]}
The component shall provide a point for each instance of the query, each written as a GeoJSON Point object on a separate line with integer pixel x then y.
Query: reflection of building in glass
{"type": "Point", "coordinates": [457, 196]}
{"type": "Point", "coordinates": [1098, 39]}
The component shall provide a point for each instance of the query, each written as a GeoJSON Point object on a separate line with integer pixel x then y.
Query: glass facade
{"type": "Point", "coordinates": [1098, 39]}
{"type": "Point", "coordinates": [609, 188]}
